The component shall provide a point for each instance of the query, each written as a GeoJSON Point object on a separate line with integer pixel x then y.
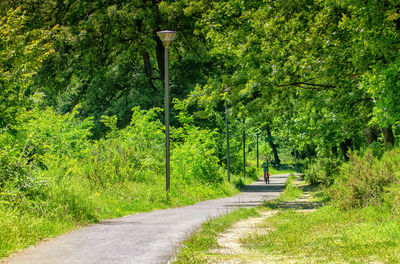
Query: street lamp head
{"type": "Point", "coordinates": [166, 36]}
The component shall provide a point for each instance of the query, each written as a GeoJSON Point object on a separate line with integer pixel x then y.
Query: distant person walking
{"type": "Point", "coordinates": [265, 166]}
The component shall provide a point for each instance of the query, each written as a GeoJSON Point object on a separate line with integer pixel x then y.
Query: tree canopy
{"type": "Point", "coordinates": [318, 73]}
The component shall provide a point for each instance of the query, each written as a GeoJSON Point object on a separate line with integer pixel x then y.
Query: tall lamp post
{"type": "Point", "coordinates": [166, 36]}
{"type": "Point", "coordinates": [244, 148]}
{"type": "Point", "coordinates": [258, 134]}
{"type": "Point", "coordinates": [228, 166]}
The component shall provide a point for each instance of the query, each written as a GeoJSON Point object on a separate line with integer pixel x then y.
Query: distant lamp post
{"type": "Point", "coordinates": [166, 36]}
{"type": "Point", "coordinates": [228, 166]}
{"type": "Point", "coordinates": [258, 134]}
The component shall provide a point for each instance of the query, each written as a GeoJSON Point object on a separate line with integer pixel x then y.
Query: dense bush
{"type": "Point", "coordinates": [194, 159]}
{"type": "Point", "coordinates": [369, 181]}
{"type": "Point", "coordinates": [322, 171]}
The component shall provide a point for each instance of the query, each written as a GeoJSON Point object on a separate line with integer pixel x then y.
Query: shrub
{"type": "Point", "coordinates": [368, 181]}
{"type": "Point", "coordinates": [133, 154]}
{"type": "Point", "coordinates": [322, 171]}
{"type": "Point", "coordinates": [194, 159]}
{"type": "Point", "coordinates": [252, 172]}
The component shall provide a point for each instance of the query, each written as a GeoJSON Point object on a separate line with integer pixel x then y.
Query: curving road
{"type": "Point", "coordinates": [142, 238]}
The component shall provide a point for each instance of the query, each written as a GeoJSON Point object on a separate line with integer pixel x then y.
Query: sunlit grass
{"type": "Point", "coordinates": [195, 247]}
{"type": "Point", "coordinates": [21, 229]}
{"type": "Point", "coordinates": [291, 192]}
{"type": "Point", "coordinates": [332, 235]}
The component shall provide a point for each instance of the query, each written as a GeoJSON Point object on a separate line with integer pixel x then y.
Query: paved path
{"type": "Point", "coordinates": [141, 238]}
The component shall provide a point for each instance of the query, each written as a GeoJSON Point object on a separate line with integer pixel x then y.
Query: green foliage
{"type": "Point", "coordinates": [194, 159]}
{"type": "Point", "coordinates": [21, 54]}
{"type": "Point", "coordinates": [322, 170]}
{"type": "Point", "coordinates": [377, 149]}
{"type": "Point", "coordinates": [108, 58]}
{"type": "Point", "coordinates": [383, 85]}
{"type": "Point", "coordinates": [251, 172]}
{"type": "Point", "coordinates": [131, 154]}
{"type": "Point", "coordinates": [292, 66]}
{"type": "Point", "coordinates": [368, 181]}
{"type": "Point", "coordinates": [51, 171]}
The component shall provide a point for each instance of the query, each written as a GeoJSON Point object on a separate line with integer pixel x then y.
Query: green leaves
{"type": "Point", "coordinates": [383, 86]}
{"type": "Point", "coordinates": [21, 54]}
{"type": "Point", "coordinates": [301, 64]}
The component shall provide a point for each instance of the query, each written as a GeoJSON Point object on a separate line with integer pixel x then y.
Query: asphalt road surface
{"type": "Point", "coordinates": [142, 238]}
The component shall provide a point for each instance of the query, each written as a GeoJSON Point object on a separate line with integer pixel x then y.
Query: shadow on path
{"type": "Point", "coordinates": [301, 203]}
{"type": "Point", "coordinates": [262, 188]}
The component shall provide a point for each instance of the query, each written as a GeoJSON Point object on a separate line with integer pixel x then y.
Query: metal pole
{"type": "Point", "coordinates": [257, 149]}
{"type": "Point", "coordinates": [227, 143]}
{"type": "Point", "coordinates": [244, 150]}
{"type": "Point", "coordinates": [167, 154]}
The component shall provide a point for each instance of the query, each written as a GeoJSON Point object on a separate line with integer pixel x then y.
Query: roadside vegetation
{"type": "Point", "coordinates": [291, 192]}
{"type": "Point", "coordinates": [360, 224]}
{"type": "Point", "coordinates": [330, 235]}
{"type": "Point", "coordinates": [53, 178]}
{"type": "Point", "coordinates": [356, 217]}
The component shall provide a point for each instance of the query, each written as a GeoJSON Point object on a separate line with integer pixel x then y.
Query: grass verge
{"type": "Point", "coordinates": [330, 235]}
{"type": "Point", "coordinates": [290, 193]}
{"type": "Point", "coordinates": [195, 247]}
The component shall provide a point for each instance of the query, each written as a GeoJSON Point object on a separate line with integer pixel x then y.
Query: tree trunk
{"type": "Point", "coordinates": [148, 68]}
{"type": "Point", "coordinates": [371, 133]}
{"type": "Point", "coordinates": [160, 56]}
{"type": "Point", "coordinates": [334, 151]}
{"type": "Point", "coordinates": [344, 148]}
{"type": "Point", "coordinates": [388, 137]}
{"type": "Point", "coordinates": [274, 150]}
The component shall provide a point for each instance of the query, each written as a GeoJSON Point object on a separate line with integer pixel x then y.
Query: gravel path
{"type": "Point", "coordinates": [141, 238]}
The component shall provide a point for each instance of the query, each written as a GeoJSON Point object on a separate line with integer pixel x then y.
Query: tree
{"type": "Point", "coordinates": [21, 54]}
{"type": "Point", "coordinates": [302, 63]}
{"type": "Point", "coordinates": [108, 57]}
